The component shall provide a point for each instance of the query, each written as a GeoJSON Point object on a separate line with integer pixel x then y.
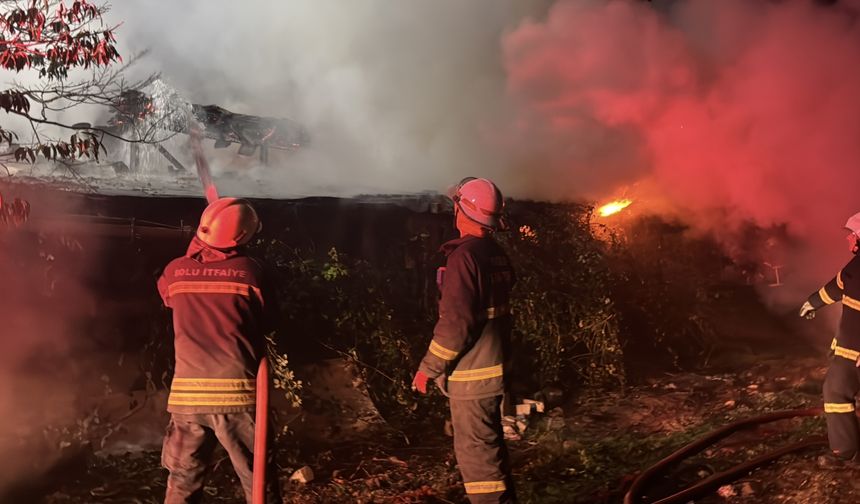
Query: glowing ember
{"type": "Point", "coordinates": [613, 207]}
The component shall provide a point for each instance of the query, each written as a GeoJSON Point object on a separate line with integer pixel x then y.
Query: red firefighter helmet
{"type": "Point", "coordinates": [228, 223]}
{"type": "Point", "coordinates": [480, 201]}
{"type": "Point", "coordinates": [853, 224]}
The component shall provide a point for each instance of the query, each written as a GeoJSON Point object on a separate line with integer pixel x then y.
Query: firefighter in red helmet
{"type": "Point", "coordinates": [842, 383]}
{"type": "Point", "coordinates": [216, 294]}
{"type": "Point", "coordinates": [471, 340]}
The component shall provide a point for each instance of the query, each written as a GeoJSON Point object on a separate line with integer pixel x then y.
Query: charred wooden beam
{"type": "Point", "coordinates": [218, 123]}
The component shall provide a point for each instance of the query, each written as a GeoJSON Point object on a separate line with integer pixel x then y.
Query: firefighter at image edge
{"type": "Point", "coordinates": [217, 297]}
{"type": "Point", "coordinates": [471, 340]}
{"type": "Point", "coordinates": [842, 382]}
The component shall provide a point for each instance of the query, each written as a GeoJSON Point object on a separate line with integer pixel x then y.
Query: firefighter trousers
{"type": "Point", "coordinates": [841, 385]}
{"type": "Point", "coordinates": [188, 447]}
{"type": "Point", "coordinates": [479, 446]}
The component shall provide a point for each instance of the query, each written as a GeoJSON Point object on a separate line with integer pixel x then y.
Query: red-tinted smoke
{"type": "Point", "coordinates": [746, 110]}
{"type": "Point", "coordinates": [49, 359]}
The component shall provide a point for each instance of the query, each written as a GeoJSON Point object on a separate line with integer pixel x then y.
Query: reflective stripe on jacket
{"type": "Point", "coordinates": [217, 306]}
{"type": "Point", "coordinates": [471, 339]}
{"type": "Point", "coordinates": [844, 287]}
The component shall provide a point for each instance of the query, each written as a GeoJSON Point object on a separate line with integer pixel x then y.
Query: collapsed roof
{"type": "Point", "coordinates": [218, 123]}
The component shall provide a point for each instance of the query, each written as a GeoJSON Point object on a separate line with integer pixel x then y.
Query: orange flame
{"type": "Point", "coordinates": [613, 207]}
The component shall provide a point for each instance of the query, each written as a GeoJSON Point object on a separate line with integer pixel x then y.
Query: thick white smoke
{"type": "Point", "coordinates": [396, 96]}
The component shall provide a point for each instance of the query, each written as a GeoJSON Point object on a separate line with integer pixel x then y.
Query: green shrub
{"type": "Point", "coordinates": [342, 306]}
{"type": "Point", "coordinates": [566, 323]}
{"type": "Point", "coordinates": [669, 289]}
{"type": "Point", "coordinates": [586, 297]}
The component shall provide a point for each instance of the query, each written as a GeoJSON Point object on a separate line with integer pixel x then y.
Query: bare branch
{"type": "Point", "coordinates": [72, 127]}
{"type": "Point", "coordinates": [53, 37]}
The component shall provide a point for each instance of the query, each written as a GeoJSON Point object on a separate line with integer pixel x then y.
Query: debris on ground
{"type": "Point", "coordinates": [586, 451]}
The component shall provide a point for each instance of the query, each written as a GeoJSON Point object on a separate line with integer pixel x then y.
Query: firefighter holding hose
{"type": "Point", "coordinates": [217, 297]}
{"type": "Point", "coordinates": [842, 382]}
{"type": "Point", "coordinates": [471, 340]}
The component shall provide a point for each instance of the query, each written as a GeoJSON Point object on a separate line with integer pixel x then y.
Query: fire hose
{"type": "Point", "coordinates": [203, 172]}
{"type": "Point", "coordinates": [634, 494]}
{"type": "Point", "coordinates": [258, 494]}
{"type": "Point", "coordinates": [261, 419]}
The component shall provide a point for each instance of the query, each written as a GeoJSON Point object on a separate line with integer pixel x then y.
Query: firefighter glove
{"type": "Point", "coordinates": [807, 311]}
{"type": "Point", "coordinates": [419, 383]}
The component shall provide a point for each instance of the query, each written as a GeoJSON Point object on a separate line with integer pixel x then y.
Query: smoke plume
{"type": "Point", "coordinates": [48, 348]}
{"type": "Point", "coordinates": [733, 112]}
{"type": "Point", "coordinates": [395, 96]}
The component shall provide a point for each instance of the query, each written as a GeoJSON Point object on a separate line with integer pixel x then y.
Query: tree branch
{"type": "Point", "coordinates": [103, 131]}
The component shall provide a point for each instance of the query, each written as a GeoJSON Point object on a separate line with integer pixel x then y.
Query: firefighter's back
{"type": "Point", "coordinates": [217, 311]}
{"type": "Point", "coordinates": [479, 372]}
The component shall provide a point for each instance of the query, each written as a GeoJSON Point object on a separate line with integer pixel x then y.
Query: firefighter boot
{"type": "Point", "coordinates": [834, 461]}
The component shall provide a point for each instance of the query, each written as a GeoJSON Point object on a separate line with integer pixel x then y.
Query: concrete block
{"type": "Point", "coordinates": [303, 475]}
{"type": "Point", "coordinates": [524, 409]}
{"type": "Point", "coordinates": [539, 406]}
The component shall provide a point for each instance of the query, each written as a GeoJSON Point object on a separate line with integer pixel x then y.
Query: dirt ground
{"type": "Point", "coordinates": [587, 451]}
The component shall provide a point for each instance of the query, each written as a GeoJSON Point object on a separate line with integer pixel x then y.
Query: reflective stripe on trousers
{"type": "Point", "coordinates": [841, 385]}
{"type": "Point", "coordinates": [213, 392]}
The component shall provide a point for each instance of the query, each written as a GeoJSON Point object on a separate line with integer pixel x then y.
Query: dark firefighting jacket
{"type": "Point", "coordinates": [844, 287]}
{"type": "Point", "coordinates": [471, 339]}
{"type": "Point", "coordinates": [217, 304]}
